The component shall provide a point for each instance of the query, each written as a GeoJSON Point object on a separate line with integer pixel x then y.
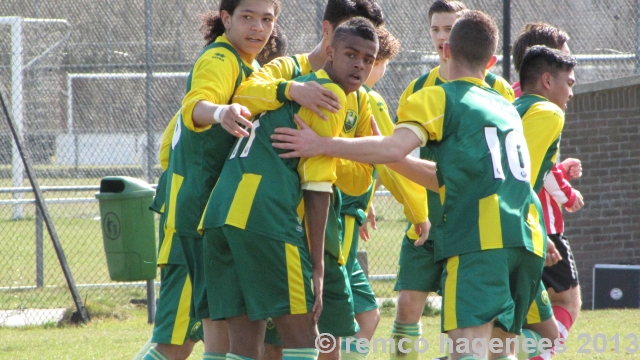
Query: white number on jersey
{"type": "Point", "coordinates": [176, 132]}
{"type": "Point", "coordinates": [252, 136]}
{"type": "Point", "coordinates": [517, 154]}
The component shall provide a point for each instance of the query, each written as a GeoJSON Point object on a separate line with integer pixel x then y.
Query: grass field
{"type": "Point", "coordinates": [120, 333]}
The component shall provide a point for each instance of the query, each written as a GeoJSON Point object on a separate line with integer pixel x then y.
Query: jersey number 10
{"type": "Point", "coordinates": [517, 154]}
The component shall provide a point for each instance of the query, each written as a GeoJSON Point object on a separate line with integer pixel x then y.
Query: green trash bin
{"type": "Point", "coordinates": [128, 228]}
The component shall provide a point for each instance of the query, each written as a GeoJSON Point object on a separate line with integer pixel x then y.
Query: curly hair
{"type": "Point", "coordinates": [389, 46]}
{"type": "Point", "coordinates": [275, 47]}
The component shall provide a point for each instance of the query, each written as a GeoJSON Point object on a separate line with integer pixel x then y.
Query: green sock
{"type": "Point", "coordinates": [507, 358]}
{"type": "Point", "coordinates": [231, 356]}
{"type": "Point", "coordinates": [213, 356]}
{"type": "Point", "coordinates": [349, 349]}
{"type": "Point", "coordinates": [300, 354]}
{"type": "Point", "coordinates": [411, 332]}
{"type": "Point", "coordinates": [154, 354]}
{"type": "Point", "coordinates": [532, 339]}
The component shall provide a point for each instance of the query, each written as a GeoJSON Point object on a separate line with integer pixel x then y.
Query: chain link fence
{"type": "Point", "coordinates": [92, 85]}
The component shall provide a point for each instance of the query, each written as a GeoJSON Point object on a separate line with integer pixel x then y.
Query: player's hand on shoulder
{"type": "Point", "coordinates": [314, 97]}
{"type": "Point", "coordinates": [234, 119]}
{"type": "Point", "coordinates": [303, 142]}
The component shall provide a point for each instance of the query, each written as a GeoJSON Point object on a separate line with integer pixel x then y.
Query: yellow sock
{"type": "Point", "coordinates": [410, 332]}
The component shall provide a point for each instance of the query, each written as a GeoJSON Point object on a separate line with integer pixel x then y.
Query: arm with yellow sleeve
{"type": "Point", "coordinates": [267, 88]}
{"type": "Point", "coordinates": [412, 196]}
{"type": "Point", "coordinates": [317, 175]}
{"type": "Point", "coordinates": [213, 79]}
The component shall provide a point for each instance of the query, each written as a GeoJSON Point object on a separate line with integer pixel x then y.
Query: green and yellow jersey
{"type": "Point", "coordinates": [433, 78]}
{"type": "Point", "coordinates": [258, 189]}
{"type": "Point", "coordinates": [542, 121]}
{"type": "Point", "coordinates": [476, 138]}
{"type": "Point", "coordinates": [196, 155]}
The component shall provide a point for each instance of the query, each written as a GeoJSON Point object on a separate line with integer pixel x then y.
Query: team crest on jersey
{"type": "Point", "coordinates": [195, 327]}
{"type": "Point", "coordinates": [219, 56]}
{"type": "Point", "coordinates": [350, 120]}
{"type": "Point", "coordinates": [545, 297]}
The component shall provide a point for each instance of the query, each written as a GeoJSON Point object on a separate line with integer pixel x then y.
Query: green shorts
{"type": "Point", "coordinates": [417, 268]}
{"type": "Point", "coordinates": [252, 274]}
{"type": "Point", "coordinates": [363, 297]}
{"type": "Point", "coordinates": [192, 248]}
{"type": "Point", "coordinates": [540, 309]}
{"type": "Point", "coordinates": [488, 285]}
{"type": "Point", "coordinates": [173, 324]}
{"type": "Point", "coordinates": [337, 317]}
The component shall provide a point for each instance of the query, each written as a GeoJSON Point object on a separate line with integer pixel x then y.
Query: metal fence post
{"type": "Point", "coordinates": [151, 287]}
{"type": "Point", "coordinates": [39, 250]}
{"type": "Point", "coordinates": [506, 40]}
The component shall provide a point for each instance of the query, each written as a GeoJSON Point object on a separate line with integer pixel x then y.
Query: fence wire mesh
{"type": "Point", "coordinates": [75, 76]}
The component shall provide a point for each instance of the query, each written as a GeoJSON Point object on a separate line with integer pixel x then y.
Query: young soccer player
{"type": "Point", "coordinates": [546, 78]}
{"type": "Point", "coordinates": [414, 290]}
{"type": "Point", "coordinates": [483, 170]}
{"type": "Point", "coordinates": [234, 35]}
{"type": "Point", "coordinates": [354, 208]}
{"type": "Point", "coordinates": [561, 280]}
{"type": "Point", "coordinates": [258, 261]}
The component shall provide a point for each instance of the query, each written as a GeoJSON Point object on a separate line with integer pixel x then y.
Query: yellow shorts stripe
{"type": "Point", "coordinates": [537, 237]}
{"type": "Point", "coordinates": [243, 200]}
{"type": "Point", "coordinates": [533, 316]}
{"type": "Point", "coordinates": [297, 298]}
{"type": "Point", "coordinates": [450, 293]}
{"type": "Point", "coordinates": [182, 315]}
{"type": "Point", "coordinates": [170, 225]}
{"type": "Point", "coordinates": [489, 223]}
{"type": "Point", "coordinates": [349, 226]}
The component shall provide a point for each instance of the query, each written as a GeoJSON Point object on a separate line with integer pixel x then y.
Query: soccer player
{"type": "Point", "coordinates": [200, 141]}
{"type": "Point", "coordinates": [414, 290]}
{"type": "Point", "coordinates": [354, 208]}
{"type": "Point", "coordinates": [258, 262]}
{"type": "Point", "coordinates": [560, 280]}
{"type": "Point", "coordinates": [546, 79]}
{"type": "Point", "coordinates": [277, 83]}
{"type": "Point", "coordinates": [484, 173]}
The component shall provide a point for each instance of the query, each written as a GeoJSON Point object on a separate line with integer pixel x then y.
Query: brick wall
{"type": "Point", "coordinates": [602, 129]}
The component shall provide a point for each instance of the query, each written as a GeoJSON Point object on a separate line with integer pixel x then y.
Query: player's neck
{"type": "Point", "coordinates": [318, 56]}
{"type": "Point", "coordinates": [443, 71]}
{"type": "Point", "coordinates": [457, 71]}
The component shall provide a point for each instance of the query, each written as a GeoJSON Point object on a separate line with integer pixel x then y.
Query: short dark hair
{"type": "Point", "coordinates": [474, 38]}
{"type": "Point", "coordinates": [537, 33]}
{"type": "Point", "coordinates": [339, 11]}
{"type": "Point", "coordinates": [445, 6]}
{"type": "Point", "coordinates": [388, 45]}
{"type": "Point", "coordinates": [540, 59]}
{"type": "Point", "coordinates": [357, 26]}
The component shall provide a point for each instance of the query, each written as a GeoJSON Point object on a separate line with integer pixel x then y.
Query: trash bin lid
{"type": "Point", "coordinates": [123, 187]}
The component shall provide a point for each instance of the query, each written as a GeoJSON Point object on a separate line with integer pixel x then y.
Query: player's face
{"type": "Point", "coordinates": [351, 61]}
{"type": "Point", "coordinates": [441, 24]}
{"type": "Point", "coordinates": [250, 27]}
{"type": "Point", "coordinates": [562, 88]}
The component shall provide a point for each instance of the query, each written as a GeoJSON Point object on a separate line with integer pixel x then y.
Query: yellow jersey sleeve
{"type": "Point", "coordinates": [319, 173]}
{"type": "Point", "coordinates": [423, 113]}
{"type": "Point", "coordinates": [213, 79]}
{"type": "Point", "coordinates": [353, 178]}
{"type": "Point", "coordinates": [542, 125]}
{"type": "Point", "coordinates": [167, 138]}
{"type": "Point", "coordinates": [504, 88]}
{"type": "Point", "coordinates": [363, 126]}
{"type": "Point", "coordinates": [380, 112]}
{"type": "Point", "coordinates": [412, 196]}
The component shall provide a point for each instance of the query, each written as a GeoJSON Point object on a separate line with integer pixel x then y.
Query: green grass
{"type": "Point", "coordinates": [120, 332]}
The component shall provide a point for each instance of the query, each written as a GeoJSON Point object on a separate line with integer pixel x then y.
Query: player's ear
{"type": "Point", "coordinates": [446, 50]}
{"type": "Point", "coordinates": [546, 80]}
{"type": "Point", "coordinates": [327, 29]}
{"type": "Point", "coordinates": [492, 61]}
{"type": "Point", "coordinates": [330, 51]}
{"type": "Point", "coordinates": [226, 19]}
